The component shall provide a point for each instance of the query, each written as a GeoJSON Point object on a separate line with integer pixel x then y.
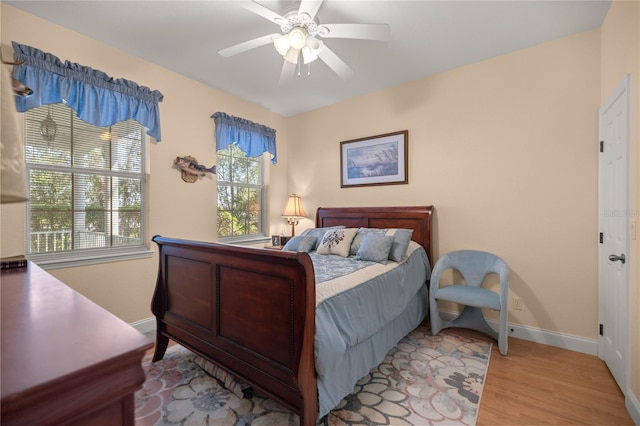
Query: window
{"type": "Point", "coordinates": [86, 188]}
{"type": "Point", "coordinates": [240, 194]}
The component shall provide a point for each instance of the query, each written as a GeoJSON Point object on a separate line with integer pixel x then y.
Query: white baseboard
{"type": "Point", "coordinates": [552, 338]}
{"type": "Point", "coordinates": [560, 340]}
{"type": "Point", "coordinates": [538, 335]}
{"type": "Point", "coordinates": [633, 406]}
{"type": "Point", "coordinates": [146, 326]}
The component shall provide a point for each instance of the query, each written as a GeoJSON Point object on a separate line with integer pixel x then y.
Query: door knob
{"type": "Point", "coordinates": [615, 258]}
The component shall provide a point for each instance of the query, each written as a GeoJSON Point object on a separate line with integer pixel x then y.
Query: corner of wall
{"type": "Point", "coordinates": [633, 406]}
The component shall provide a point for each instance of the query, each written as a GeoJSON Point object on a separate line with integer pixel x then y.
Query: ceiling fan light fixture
{"type": "Point", "coordinates": [312, 43]}
{"type": "Point", "coordinates": [298, 37]}
{"type": "Point", "coordinates": [311, 49]}
{"type": "Point", "coordinates": [282, 44]}
{"type": "Point", "coordinates": [308, 55]}
{"type": "Point", "coordinates": [298, 42]}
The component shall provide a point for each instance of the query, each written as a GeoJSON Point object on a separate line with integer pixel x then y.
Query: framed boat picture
{"type": "Point", "coordinates": [375, 160]}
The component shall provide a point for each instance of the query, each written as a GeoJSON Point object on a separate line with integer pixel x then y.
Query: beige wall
{"type": "Point", "coordinates": [506, 151]}
{"type": "Point", "coordinates": [504, 148]}
{"type": "Point", "coordinates": [620, 40]}
{"type": "Point", "coordinates": [176, 208]}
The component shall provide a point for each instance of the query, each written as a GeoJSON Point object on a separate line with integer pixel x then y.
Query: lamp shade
{"type": "Point", "coordinates": [294, 208]}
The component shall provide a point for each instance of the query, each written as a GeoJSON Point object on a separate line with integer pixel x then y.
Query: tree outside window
{"type": "Point", "coordinates": [240, 193]}
{"type": "Point", "coordinates": [86, 184]}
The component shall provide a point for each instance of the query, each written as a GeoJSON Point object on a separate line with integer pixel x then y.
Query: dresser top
{"type": "Point", "coordinates": [51, 333]}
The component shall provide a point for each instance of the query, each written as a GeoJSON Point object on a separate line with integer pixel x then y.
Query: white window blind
{"type": "Point", "coordinates": [86, 187]}
{"type": "Point", "coordinates": [241, 194]}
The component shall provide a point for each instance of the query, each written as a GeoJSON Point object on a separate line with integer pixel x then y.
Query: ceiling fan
{"type": "Point", "coordinates": [300, 37]}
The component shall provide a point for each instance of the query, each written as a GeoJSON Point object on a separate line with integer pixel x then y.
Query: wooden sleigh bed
{"type": "Point", "coordinates": [252, 311]}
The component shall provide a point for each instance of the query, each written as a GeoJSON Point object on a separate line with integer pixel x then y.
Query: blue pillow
{"type": "Point", "coordinates": [375, 247]}
{"type": "Point", "coordinates": [319, 233]}
{"type": "Point", "coordinates": [357, 240]}
{"type": "Point", "coordinates": [303, 243]}
{"type": "Point", "coordinates": [401, 239]}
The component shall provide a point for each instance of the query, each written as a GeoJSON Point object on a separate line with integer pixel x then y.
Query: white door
{"type": "Point", "coordinates": [614, 216]}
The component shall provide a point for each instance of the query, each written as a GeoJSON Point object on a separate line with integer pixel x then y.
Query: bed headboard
{"type": "Point", "coordinates": [417, 218]}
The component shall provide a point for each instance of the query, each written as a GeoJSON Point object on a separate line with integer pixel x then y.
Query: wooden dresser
{"type": "Point", "coordinates": [65, 360]}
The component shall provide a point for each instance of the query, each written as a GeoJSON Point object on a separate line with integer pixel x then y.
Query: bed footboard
{"type": "Point", "coordinates": [251, 311]}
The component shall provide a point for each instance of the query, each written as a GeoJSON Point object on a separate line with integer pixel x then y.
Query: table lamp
{"type": "Point", "coordinates": [294, 211]}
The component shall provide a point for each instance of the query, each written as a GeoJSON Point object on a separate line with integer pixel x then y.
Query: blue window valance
{"type": "Point", "coordinates": [97, 98]}
{"type": "Point", "coordinates": [252, 138]}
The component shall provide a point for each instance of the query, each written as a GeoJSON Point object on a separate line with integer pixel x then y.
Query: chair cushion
{"type": "Point", "coordinates": [469, 296]}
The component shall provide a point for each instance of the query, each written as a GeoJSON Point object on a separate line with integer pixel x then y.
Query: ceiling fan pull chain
{"type": "Point", "coordinates": [298, 65]}
{"type": "Point", "coordinates": [309, 69]}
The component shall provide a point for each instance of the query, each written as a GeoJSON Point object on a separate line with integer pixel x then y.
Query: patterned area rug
{"type": "Point", "coordinates": [424, 380]}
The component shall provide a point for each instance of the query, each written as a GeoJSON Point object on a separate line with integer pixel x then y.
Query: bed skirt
{"type": "Point", "coordinates": [358, 360]}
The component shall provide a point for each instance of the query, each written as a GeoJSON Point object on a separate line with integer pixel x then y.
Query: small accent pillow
{"type": "Point", "coordinates": [304, 243]}
{"type": "Point", "coordinates": [337, 241]}
{"type": "Point", "coordinates": [375, 247]}
{"type": "Point", "coordinates": [401, 239]}
{"type": "Point", "coordinates": [319, 233]}
{"type": "Point", "coordinates": [357, 240]}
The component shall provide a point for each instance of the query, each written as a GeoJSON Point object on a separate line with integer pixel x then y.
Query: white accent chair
{"type": "Point", "coordinates": [474, 266]}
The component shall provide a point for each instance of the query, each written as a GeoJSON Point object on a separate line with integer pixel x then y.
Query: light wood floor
{"type": "Point", "coordinates": [538, 384]}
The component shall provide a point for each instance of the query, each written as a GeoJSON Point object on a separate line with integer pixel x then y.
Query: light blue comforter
{"type": "Point", "coordinates": [353, 313]}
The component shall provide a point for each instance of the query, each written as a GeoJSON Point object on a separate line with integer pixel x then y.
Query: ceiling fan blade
{"type": "Point", "coordinates": [310, 7]}
{"type": "Point", "coordinates": [286, 74]}
{"type": "Point", "coordinates": [361, 31]}
{"type": "Point", "coordinates": [260, 10]}
{"type": "Point", "coordinates": [247, 45]}
{"type": "Point", "coordinates": [335, 63]}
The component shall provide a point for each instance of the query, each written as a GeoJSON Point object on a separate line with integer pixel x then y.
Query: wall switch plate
{"type": "Point", "coordinates": [517, 303]}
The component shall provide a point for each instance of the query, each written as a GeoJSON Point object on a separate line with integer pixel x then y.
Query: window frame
{"type": "Point", "coordinates": [82, 257]}
{"type": "Point", "coordinates": [262, 236]}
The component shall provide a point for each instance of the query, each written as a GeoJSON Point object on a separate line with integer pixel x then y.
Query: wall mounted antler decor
{"type": "Point", "coordinates": [191, 169]}
{"type": "Point", "coordinates": [18, 87]}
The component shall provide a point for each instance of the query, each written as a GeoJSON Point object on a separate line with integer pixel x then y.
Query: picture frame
{"type": "Point", "coordinates": [284, 240]}
{"type": "Point", "coordinates": [275, 240]}
{"type": "Point", "coordinates": [375, 160]}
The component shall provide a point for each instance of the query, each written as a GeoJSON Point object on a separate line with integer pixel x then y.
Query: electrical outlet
{"type": "Point", "coordinates": [517, 303]}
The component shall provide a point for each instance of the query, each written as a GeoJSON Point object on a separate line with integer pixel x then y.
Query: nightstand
{"type": "Point", "coordinates": [274, 247]}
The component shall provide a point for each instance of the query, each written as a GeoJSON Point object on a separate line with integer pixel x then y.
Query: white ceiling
{"type": "Point", "coordinates": [427, 37]}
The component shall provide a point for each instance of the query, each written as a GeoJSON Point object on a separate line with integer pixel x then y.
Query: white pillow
{"type": "Point", "coordinates": [337, 241]}
{"type": "Point", "coordinates": [319, 233]}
